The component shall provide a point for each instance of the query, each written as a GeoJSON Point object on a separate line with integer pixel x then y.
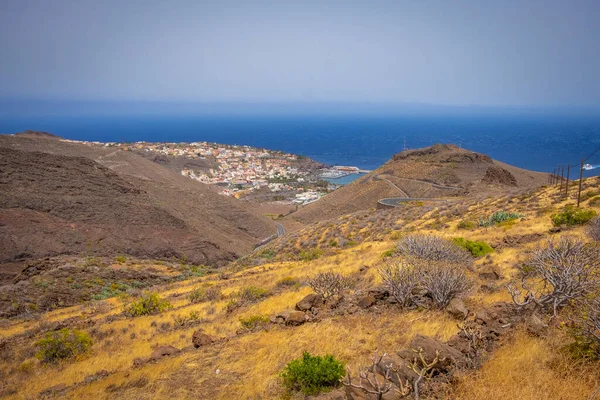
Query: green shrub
{"type": "Point", "coordinates": [594, 202]}
{"type": "Point", "coordinates": [388, 253]}
{"type": "Point", "coordinates": [572, 216]}
{"type": "Point", "coordinates": [313, 375]}
{"type": "Point", "coordinates": [288, 281]}
{"type": "Point", "coordinates": [254, 321]}
{"type": "Point", "coordinates": [62, 344]}
{"type": "Point", "coordinates": [251, 293]}
{"type": "Point", "coordinates": [121, 259]}
{"type": "Point", "coordinates": [498, 217]}
{"type": "Point", "coordinates": [466, 224]}
{"type": "Point", "coordinates": [333, 243]}
{"type": "Point", "coordinates": [310, 254]}
{"type": "Point", "coordinates": [477, 249]}
{"type": "Point", "coordinates": [149, 303]}
{"type": "Point", "coordinates": [204, 293]}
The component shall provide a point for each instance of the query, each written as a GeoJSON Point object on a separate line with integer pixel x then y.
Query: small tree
{"type": "Point", "coordinates": [328, 283]}
{"type": "Point", "coordinates": [559, 273]}
{"type": "Point", "coordinates": [445, 282]}
{"type": "Point", "coordinates": [401, 278]}
{"type": "Point", "coordinates": [432, 248]}
{"type": "Point", "coordinates": [370, 382]}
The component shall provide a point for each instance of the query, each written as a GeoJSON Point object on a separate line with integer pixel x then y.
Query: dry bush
{"type": "Point", "coordinates": [558, 274]}
{"type": "Point", "coordinates": [444, 282]}
{"type": "Point", "coordinates": [432, 248]}
{"type": "Point", "coordinates": [401, 278]}
{"type": "Point", "coordinates": [441, 281]}
{"type": "Point", "coordinates": [593, 229]}
{"type": "Point", "coordinates": [328, 283]}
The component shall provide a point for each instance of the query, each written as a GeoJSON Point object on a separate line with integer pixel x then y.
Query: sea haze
{"type": "Point", "coordinates": [538, 142]}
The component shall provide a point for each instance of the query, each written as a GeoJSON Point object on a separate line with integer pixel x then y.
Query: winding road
{"type": "Point", "coordinates": [396, 201]}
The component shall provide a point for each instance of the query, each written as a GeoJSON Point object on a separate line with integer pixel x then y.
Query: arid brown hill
{"type": "Point", "coordinates": [442, 170]}
{"type": "Point", "coordinates": [59, 197]}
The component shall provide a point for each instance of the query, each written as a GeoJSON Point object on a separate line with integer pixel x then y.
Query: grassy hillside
{"type": "Point", "coordinates": [236, 309]}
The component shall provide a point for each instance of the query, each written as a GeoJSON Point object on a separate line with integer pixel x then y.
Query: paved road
{"type": "Point", "coordinates": [280, 229]}
{"type": "Point", "coordinates": [395, 201]}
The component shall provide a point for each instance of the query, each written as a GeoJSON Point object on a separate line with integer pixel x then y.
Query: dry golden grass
{"type": "Point", "coordinates": [530, 368]}
{"type": "Point", "coordinates": [249, 363]}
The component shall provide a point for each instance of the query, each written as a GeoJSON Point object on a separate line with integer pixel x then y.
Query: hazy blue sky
{"type": "Point", "coordinates": [498, 52]}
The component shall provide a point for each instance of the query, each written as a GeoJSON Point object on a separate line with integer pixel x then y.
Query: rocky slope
{"type": "Point", "coordinates": [58, 198]}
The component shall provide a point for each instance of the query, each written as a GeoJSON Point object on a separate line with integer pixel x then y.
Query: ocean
{"type": "Point", "coordinates": [537, 142]}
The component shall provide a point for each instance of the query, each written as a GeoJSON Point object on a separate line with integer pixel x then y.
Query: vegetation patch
{"type": "Point", "coordinates": [63, 344]}
{"type": "Point", "coordinates": [254, 321]}
{"type": "Point", "coordinates": [310, 254]}
{"type": "Point", "coordinates": [570, 215]}
{"type": "Point", "coordinates": [499, 217]}
{"type": "Point", "coordinates": [149, 303]}
{"type": "Point", "coordinates": [312, 375]}
{"type": "Point", "coordinates": [466, 224]}
{"type": "Point", "coordinates": [476, 248]}
{"type": "Point", "coordinates": [251, 294]}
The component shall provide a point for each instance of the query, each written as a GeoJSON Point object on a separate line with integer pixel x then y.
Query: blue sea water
{"type": "Point", "coordinates": [537, 142]}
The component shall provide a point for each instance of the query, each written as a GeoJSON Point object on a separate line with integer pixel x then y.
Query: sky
{"type": "Point", "coordinates": [516, 53]}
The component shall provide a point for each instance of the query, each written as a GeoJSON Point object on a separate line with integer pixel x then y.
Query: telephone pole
{"type": "Point", "coordinates": [580, 182]}
{"type": "Point", "coordinates": [568, 175]}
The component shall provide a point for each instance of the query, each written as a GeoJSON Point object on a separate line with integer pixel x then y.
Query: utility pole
{"type": "Point", "coordinates": [568, 175]}
{"type": "Point", "coordinates": [580, 181]}
{"type": "Point", "coordinates": [562, 176]}
{"type": "Point", "coordinates": [557, 174]}
{"type": "Point", "coordinates": [553, 176]}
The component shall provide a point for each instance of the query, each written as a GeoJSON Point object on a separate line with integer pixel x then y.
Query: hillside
{"type": "Point", "coordinates": [61, 198]}
{"type": "Point", "coordinates": [439, 171]}
{"type": "Point", "coordinates": [230, 335]}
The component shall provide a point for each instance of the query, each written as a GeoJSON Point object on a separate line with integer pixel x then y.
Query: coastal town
{"type": "Point", "coordinates": [244, 171]}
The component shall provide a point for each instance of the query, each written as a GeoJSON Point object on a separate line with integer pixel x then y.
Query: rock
{"type": "Point", "coordinates": [296, 318]}
{"type": "Point", "coordinates": [139, 361]}
{"type": "Point", "coordinates": [53, 390]}
{"type": "Point", "coordinates": [283, 314]}
{"type": "Point", "coordinates": [200, 339]}
{"type": "Point", "coordinates": [98, 375]}
{"type": "Point", "coordinates": [489, 273]}
{"type": "Point", "coordinates": [379, 293]}
{"type": "Point", "coordinates": [535, 326]}
{"type": "Point", "coordinates": [488, 288]}
{"type": "Point", "coordinates": [353, 393]}
{"type": "Point", "coordinates": [366, 301]}
{"type": "Point", "coordinates": [364, 268]}
{"type": "Point", "coordinates": [495, 174]}
{"type": "Point", "coordinates": [482, 317]}
{"type": "Point", "coordinates": [555, 229]}
{"type": "Point", "coordinates": [309, 302]}
{"type": "Point", "coordinates": [163, 351]}
{"type": "Point", "coordinates": [457, 309]}
{"type": "Point", "coordinates": [448, 357]}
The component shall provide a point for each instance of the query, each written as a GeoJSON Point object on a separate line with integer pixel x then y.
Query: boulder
{"type": "Point", "coordinates": [310, 301]}
{"type": "Point", "coordinates": [200, 339]}
{"type": "Point", "coordinates": [457, 309]}
{"type": "Point", "coordinates": [366, 301]}
{"type": "Point", "coordinates": [296, 318]}
{"type": "Point", "coordinates": [448, 357]}
{"type": "Point", "coordinates": [163, 351]}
